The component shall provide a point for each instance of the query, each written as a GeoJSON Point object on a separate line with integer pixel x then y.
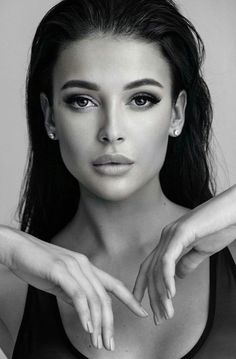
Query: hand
{"type": "Point", "coordinates": [70, 276]}
{"type": "Point", "coordinates": [183, 245]}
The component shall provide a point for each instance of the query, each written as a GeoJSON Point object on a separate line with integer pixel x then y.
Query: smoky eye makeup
{"type": "Point", "coordinates": [138, 101]}
{"type": "Point", "coordinates": [78, 101]}
{"type": "Point", "coordinates": [142, 97]}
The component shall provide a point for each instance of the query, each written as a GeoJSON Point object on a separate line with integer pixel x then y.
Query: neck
{"type": "Point", "coordinates": [115, 226]}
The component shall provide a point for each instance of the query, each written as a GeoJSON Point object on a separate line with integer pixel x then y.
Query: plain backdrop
{"type": "Point", "coordinates": [214, 20]}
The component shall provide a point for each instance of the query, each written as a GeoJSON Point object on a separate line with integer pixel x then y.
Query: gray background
{"type": "Point", "coordinates": [214, 20]}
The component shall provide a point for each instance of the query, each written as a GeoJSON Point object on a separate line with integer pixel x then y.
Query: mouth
{"type": "Point", "coordinates": [113, 168]}
{"type": "Point", "coordinates": [111, 164]}
{"type": "Point", "coordinates": [112, 159]}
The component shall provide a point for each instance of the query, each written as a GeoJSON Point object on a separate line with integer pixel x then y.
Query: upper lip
{"type": "Point", "coordinates": [112, 158]}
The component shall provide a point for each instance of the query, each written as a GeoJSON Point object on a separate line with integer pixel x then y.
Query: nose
{"type": "Point", "coordinates": [111, 130]}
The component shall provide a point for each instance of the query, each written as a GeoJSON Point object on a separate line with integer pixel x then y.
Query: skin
{"type": "Point", "coordinates": [123, 213]}
{"type": "Point", "coordinates": [107, 203]}
{"type": "Point", "coordinates": [185, 244]}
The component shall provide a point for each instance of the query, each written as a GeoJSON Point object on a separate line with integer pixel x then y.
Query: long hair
{"type": "Point", "coordinates": [50, 194]}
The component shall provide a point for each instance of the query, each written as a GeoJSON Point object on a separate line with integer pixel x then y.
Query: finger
{"type": "Point", "coordinates": [164, 308]}
{"type": "Point", "coordinates": [189, 262]}
{"type": "Point", "coordinates": [122, 293]}
{"type": "Point", "coordinates": [94, 302]}
{"type": "Point", "coordinates": [165, 304]}
{"type": "Point", "coordinates": [107, 314]}
{"type": "Point", "coordinates": [154, 302]}
{"type": "Point", "coordinates": [141, 279]}
{"type": "Point", "coordinates": [74, 291]}
{"type": "Point", "coordinates": [168, 261]}
{"type": "Point", "coordinates": [108, 324]}
{"type": "Point", "coordinates": [140, 283]}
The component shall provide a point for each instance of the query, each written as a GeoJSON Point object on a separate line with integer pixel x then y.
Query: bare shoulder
{"type": "Point", "coordinates": [12, 300]}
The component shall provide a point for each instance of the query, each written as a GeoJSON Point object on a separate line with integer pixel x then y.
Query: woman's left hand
{"type": "Point", "coordinates": [183, 245]}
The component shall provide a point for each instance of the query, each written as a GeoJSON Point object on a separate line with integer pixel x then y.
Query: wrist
{"type": "Point", "coordinates": [8, 242]}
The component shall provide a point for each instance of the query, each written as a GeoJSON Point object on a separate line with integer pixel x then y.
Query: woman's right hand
{"type": "Point", "coordinates": [73, 278]}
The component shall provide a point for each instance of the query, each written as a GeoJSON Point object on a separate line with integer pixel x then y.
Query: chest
{"type": "Point", "coordinates": [138, 338]}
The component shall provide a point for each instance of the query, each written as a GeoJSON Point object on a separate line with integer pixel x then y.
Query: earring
{"type": "Point", "coordinates": [176, 132]}
{"type": "Point", "coordinates": [52, 135]}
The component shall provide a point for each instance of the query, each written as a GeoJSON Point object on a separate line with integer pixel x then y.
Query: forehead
{"type": "Point", "coordinates": [111, 61]}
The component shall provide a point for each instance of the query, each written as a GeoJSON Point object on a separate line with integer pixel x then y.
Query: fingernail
{"type": "Point", "coordinates": [144, 312]}
{"type": "Point", "coordinates": [99, 342]}
{"type": "Point", "coordinates": [156, 320]}
{"type": "Point", "coordinates": [166, 315]}
{"type": "Point", "coordinates": [89, 327]}
{"type": "Point", "coordinates": [112, 344]}
{"type": "Point", "coordinates": [169, 294]}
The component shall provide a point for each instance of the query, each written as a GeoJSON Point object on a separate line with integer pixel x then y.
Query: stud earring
{"type": "Point", "coordinates": [176, 132]}
{"type": "Point", "coordinates": [52, 135]}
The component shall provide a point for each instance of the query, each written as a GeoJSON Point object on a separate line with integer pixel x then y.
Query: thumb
{"type": "Point", "coordinates": [189, 262]}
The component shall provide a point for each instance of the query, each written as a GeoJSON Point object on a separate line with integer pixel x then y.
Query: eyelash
{"type": "Point", "coordinates": [72, 99]}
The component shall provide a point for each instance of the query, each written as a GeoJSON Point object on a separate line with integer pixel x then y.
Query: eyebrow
{"type": "Point", "coordinates": [92, 86]}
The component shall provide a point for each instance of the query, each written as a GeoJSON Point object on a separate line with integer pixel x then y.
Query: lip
{"type": "Point", "coordinates": [109, 169]}
{"type": "Point", "coordinates": [112, 158]}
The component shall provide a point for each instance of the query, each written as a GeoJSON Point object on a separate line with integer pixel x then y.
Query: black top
{"type": "Point", "coordinates": [42, 335]}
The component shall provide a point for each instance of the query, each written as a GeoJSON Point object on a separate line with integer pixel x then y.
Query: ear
{"type": "Point", "coordinates": [48, 116]}
{"type": "Point", "coordinates": [178, 114]}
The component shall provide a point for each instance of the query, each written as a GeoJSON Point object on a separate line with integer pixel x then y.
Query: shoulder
{"type": "Point", "coordinates": [12, 300]}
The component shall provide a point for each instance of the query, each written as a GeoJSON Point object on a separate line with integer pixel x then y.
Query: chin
{"type": "Point", "coordinates": [113, 192]}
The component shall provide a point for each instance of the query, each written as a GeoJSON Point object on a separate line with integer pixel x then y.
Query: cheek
{"type": "Point", "coordinates": [153, 140]}
{"type": "Point", "coordinates": [74, 143]}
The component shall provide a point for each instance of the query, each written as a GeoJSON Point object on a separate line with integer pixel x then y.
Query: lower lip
{"type": "Point", "coordinates": [113, 170]}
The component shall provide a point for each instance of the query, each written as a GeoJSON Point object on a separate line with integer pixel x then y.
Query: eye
{"type": "Point", "coordinates": [142, 99]}
{"type": "Point", "coordinates": [78, 102]}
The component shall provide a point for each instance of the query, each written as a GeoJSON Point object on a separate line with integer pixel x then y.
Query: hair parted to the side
{"type": "Point", "coordinates": [50, 194]}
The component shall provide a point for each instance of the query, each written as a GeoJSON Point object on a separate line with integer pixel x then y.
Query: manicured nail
{"type": "Point", "coordinates": [144, 312]}
{"type": "Point", "coordinates": [166, 315]}
{"type": "Point", "coordinates": [112, 344]}
{"type": "Point", "coordinates": [99, 342]}
{"type": "Point", "coordinates": [89, 327]}
{"type": "Point", "coordinates": [169, 294]}
{"type": "Point", "coordinates": [156, 320]}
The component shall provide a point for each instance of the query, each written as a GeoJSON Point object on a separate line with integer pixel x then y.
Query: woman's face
{"type": "Point", "coordinates": [112, 114]}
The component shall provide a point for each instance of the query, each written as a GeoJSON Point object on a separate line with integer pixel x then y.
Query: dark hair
{"type": "Point", "coordinates": [50, 194]}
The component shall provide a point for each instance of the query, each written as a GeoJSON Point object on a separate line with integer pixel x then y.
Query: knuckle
{"type": "Point", "coordinates": [83, 310]}
{"type": "Point", "coordinates": [82, 258]}
{"type": "Point", "coordinates": [109, 326]}
{"type": "Point", "coordinates": [181, 228]}
{"type": "Point", "coordinates": [95, 301]}
{"type": "Point", "coordinates": [107, 300]}
{"type": "Point", "coordinates": [119, 283]}
{"type": "Point", "coordinates": [78, 294]}
{"type": "Point", "coordinates": [58, 266]}
{"type": "Point", "coordinates": [97, 317]}
{"type": "Point", "coordinates": [71, 262]}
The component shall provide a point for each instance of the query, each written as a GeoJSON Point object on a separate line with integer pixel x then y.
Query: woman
{"type": "Point", "coordinates": [119, 120]}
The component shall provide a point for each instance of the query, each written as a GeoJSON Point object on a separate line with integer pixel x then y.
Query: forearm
{"type": "Point", "coordinates": [217, 214]}
{"type": "Point", "coordinates": [8, 241]}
